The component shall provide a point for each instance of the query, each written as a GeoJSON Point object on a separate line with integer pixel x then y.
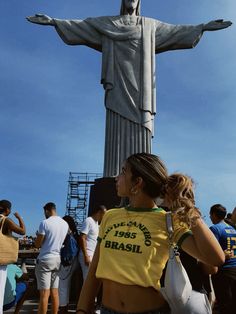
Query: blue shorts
{"type": "Point", "coordinates": [20, 290]}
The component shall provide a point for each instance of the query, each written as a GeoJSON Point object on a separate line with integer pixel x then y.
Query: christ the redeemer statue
{"type": "Point", "coordinates": [128, 43]}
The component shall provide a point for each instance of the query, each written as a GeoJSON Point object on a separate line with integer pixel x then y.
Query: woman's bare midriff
{"type": "Point", "coordinates": [126, 298]}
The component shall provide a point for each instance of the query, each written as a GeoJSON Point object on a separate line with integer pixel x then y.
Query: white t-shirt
{"type": "Point", "coordinates": [90, 228]}
{"type": "Point", "coordinates": [54, 230]}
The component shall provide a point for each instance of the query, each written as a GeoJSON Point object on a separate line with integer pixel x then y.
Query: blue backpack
{"type": "Point", "coordinates": [69, 250]}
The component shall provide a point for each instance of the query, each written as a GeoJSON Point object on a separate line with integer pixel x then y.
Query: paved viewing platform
{"type": "Point", "coordinates": [31, 306]}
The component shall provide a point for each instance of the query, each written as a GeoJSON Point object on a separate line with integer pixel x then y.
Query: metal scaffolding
{"type": "Point", "coordinates": [78, 195]}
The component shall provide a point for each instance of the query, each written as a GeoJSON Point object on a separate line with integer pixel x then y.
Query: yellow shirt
{"type": "Point", "coordinates": [134, 245]}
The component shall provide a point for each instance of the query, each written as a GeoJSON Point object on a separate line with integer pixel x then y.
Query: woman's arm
{"type": "Point", "coordinates": [10, 226]}
{"type": "Point", "coordinates": [90, 287]}
{"type": "Point", "coordinates": [208, 269]}
{"type": "Point", "coordinates": [203, 245]}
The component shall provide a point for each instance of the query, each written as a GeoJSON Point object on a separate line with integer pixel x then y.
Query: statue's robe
{"type": "Point", "coordinates": [128, 45]}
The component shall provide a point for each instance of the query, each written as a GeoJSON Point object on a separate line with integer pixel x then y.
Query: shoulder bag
{"type": "Point", "coordinates": [177, 287]}
{"type": "Point", "coordinates": [9, 246]}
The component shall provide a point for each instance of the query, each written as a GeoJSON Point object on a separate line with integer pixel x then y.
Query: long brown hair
{"type": "Point", "coordinates": [151, 169]}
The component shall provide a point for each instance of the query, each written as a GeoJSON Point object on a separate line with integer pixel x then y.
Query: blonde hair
{"type": "Point", "coordinates": [179, 195]}
{"type": "Point", "coordinates": [176, 189]}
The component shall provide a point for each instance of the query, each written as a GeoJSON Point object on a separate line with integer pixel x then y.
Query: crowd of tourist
{"type": "Point", "coordinates": [123, 251]}
{"type": "Point", "coordinates": [53, 279]}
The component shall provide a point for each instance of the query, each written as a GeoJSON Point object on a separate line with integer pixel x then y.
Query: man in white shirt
{"type": "Point", "coordinates": [50, 237]}
{"type": "Point", "coordinates": [88, 238]}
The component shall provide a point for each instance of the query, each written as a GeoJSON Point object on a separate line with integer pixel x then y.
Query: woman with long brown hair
{"type": "Point", "coordinates": [132, 247]}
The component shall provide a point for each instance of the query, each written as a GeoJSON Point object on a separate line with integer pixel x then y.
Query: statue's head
{"type": "Point", "coordinates": [130, 5]}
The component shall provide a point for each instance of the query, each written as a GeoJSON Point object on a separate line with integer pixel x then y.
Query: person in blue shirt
{"type": "Point", "coordinates": [224, 281]}
{"type": "Point", "coordinates": [233, 218]}
{"type": "Point", "coordinates": [16, 288]}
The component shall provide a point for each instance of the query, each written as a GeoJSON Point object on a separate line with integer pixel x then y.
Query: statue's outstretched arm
{"type": "Point", "coordinates": [41, 19]}
{"type": "Point", "coordinates": [216, 25]}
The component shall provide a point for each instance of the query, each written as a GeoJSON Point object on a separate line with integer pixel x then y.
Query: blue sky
{"type": "Point", "coordinates": [52, 115]}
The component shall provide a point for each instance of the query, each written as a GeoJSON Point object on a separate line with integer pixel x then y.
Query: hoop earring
{"type": "Point", "coordinates": [134, 191]}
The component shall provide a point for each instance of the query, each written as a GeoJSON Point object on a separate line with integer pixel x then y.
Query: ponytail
{"type": "Point", "coordinates": [180, 197]}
